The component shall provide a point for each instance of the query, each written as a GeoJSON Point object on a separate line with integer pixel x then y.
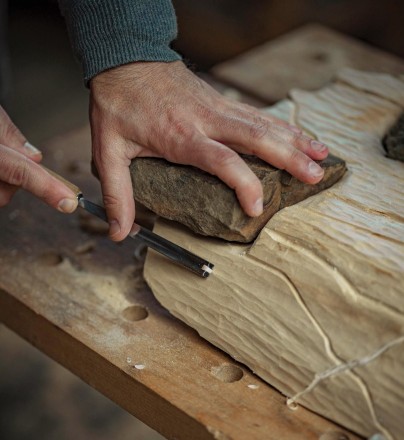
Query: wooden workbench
{"type": "Point", "coordinates": [81, 299]}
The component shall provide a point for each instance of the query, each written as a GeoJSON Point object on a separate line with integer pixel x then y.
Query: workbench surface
{"type": "Point", "coordinates": [82, 300]}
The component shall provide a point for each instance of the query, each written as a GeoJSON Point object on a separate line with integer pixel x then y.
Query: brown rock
{"type": "Point", "coordinates": [208, 206]}
{"type": "Point", "coordinates": [394, 140]}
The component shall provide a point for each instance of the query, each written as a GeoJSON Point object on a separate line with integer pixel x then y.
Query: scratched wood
{"type": "Point", "coordinates": [307, 58]}
{"type": "Point", "coordinates": [80, 299]}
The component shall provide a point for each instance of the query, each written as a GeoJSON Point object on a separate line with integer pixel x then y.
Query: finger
{"type": "Point", "coordinates": [6, 193]}
{"type": "Point", "coordinates": [18, 170]}
{"type": "Point", "coordinates": [261, 140]}
{"type": "Point", "coordinates": [262, 122]}
{"type": "Point", "coordinates": [260, 127]}
{"type": "Point", "coordinates": [227, 165]}
{"type": "Point", "coordinates": [314, 149]}
{"type": "Point", "coordinates": [30, 151]}
{"type": "Point", "coordinates": [250, 113]}
{"type": "Point", "coordinates": [116, 187]}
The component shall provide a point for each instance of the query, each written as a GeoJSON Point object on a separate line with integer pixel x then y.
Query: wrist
{"type": "Point", "coordinates": [138, 73]}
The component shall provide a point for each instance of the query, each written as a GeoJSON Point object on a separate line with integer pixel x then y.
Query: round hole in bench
{"type": "Point", "coordinates": [334, 435]}
{"type": "Point", "coordinates": [50, 259]}
{"type": "Point", "coordinates": [227, 373]}
{"type": "Point", "coordinates": [320, 57]}
{"type": "Point", "coordinates": [135, 313]}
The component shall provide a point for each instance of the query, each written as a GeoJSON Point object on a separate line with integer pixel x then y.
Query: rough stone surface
{"type": "Point", "coordinates": [394, 140]}
{"type": "Point", "coordinates": [208, 206]}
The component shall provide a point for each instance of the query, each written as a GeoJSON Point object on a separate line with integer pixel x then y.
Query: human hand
{"type": "Point", "coordinates": [164, 110]}
{"type": "Point", "coordinates": [19, 168]}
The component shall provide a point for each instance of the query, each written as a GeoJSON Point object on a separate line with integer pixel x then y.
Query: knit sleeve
{"type": "Point", "coordinates": [109, 33]}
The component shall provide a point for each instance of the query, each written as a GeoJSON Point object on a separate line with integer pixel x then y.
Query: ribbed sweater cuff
{"type": "Point", "coordinates": [109, 33]}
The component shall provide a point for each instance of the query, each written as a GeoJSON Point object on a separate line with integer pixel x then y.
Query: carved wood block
{"type": "Point", "coordinates": [315, 306]}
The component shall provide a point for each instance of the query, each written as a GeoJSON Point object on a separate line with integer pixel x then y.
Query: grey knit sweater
{"type": "Point", "coordinates": [108, 33]}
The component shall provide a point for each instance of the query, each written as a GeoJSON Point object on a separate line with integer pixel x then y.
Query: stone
{"type": "Point", "coordinates": [208, 206]}
{"type": "Point", "coordinates": [394, 140]}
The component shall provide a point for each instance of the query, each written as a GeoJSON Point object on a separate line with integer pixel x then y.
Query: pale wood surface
{"type": "Point", "coordinates": [315, 306]}
{"type": "Point", "coordinates": [307, 58]}
{"type": "Point", "coordinates": [67, 292]}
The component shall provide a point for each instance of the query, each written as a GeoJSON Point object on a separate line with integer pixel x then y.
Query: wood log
{"type": "Point", "coordinates": [315, 306]}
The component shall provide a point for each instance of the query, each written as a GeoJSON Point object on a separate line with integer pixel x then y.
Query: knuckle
{"type": "Point", "coordinates": [205, 112]}
{"type": "Point", "coordinates": [181, 144]}
{"type": "Point", "coordinates": [259, 129]}
{"type": "Point", "coordinates": [18, 174]}
{"type": "Point", "coordinates": [294, 139]}
{"type": "Point", "coordinates": [295, 156]}
{"type": "Point", "coordinates": [302, 140]}
{"type": "Point", "coordinates": [110, 201]}
{"type": "Point", "coordinates": [182, 129]}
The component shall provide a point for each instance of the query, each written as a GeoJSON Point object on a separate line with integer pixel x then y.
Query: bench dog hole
{"type": "Point", "coordinates": [135, 313]}
{"type": "Point", "coordinates": [334, 435]}
{"type": "Point", "coordinates": [50, 259]}
{"type": "Point", "coordinates": [227, 373]}
{"type": "Point", "coordinates": [321, 57]}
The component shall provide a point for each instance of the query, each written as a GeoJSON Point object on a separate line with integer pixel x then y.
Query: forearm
{"type": "Point", "coordinates": [109, 33]}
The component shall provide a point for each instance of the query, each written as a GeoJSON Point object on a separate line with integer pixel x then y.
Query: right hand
{"type": "Point", "coordinates": [156, 109]}
{"type": "Point", "coordinates": [19, 168]}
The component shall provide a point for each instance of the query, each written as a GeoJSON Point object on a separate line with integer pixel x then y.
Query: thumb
{"type": "Point", "coordinates": [117, 193]}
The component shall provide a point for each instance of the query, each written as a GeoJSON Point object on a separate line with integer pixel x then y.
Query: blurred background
{"type": "Point", "coordinates": [44, 82]}
{"type": "Point", "coordinates": [43, 92]}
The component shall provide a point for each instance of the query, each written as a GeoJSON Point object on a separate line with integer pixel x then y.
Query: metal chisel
{"type": "Point", "coordinates": [165, 247]}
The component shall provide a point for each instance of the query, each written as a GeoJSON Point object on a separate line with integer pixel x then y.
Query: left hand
{"type": "Point", "coordinates": [19, 168]}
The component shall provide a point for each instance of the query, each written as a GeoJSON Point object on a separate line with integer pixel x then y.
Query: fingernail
{"type": "Point", "coordinates": [31, 150]}
{"type": "Point", "coordinates": [315, 170]}
{"type": "Point", "coordinates": [67, 205]}
{"type": "Point", "coordinates": [295, 129]}
{"type": "Point", "coordinates": [114, 228]}
{"type": "Point", "coordinates": [258, 208]}
{"type": "Point", "coordinates": [318, 146]}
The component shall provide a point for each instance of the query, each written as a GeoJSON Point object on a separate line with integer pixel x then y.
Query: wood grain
{"type": "Point", "coordinates": [315, 306]}
{"type": "Point", "coordinates": [307, 58]}
{"type": "Point", "coordinates": [80, 299]}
